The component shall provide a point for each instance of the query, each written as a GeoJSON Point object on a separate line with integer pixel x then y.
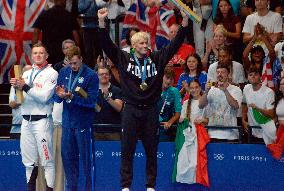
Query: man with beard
{"type": "Point", "coordinates": [223, 100]}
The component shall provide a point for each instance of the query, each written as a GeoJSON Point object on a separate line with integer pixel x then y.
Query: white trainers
{"type": "Point", "coordinates": [125, 189]}
{"type": "Point", "coordinates": [150, 189]}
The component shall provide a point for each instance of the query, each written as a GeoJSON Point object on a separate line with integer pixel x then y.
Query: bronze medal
{"type": "Point", "coordinates": [143, 86]}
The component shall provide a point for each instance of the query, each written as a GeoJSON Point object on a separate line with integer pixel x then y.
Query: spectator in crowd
{"type": "Point", "coordinates": [68, 7]}
{"type": "Point", "coordinates": [237, 74]}
{"type": "Point", "coordinates": [258, 104]}
{"type": "Point", "coordinates": [110, 104]}
{"type": "Point", "coordinates": [142, 89]}
{"type": "Point", "coordinates": [169, 106]}
{"type": "Point", "coordinates": [212, 48]}
{"type": "Point", "coordinates": [38, 85]}
{"type": "Point", "coordinates": [130, 32]}
{"type": "Point", "coordinates": [279, 50]}
{"type": "Point", "coordinates": [192, 70]}
{"type": "Point", "coordinates": [56, 25]}
{"type": "Point", "coordinates": [16, 108]}
{"type": "Point", "coordinates": [202, 32]}
{"type": "Point", "coordinates": [191, 140]}
{"type": "Point", "coordinates": [66, 44]}
{"type": "Point", "coordinates": [190, 108]}
{"type": "Point", "coordinates": [269, 22]}
{"type": "Point", "coordinates": [77, 118]}
{"type": "Point", "coordinates": [269, 66]}
{"type": "Point", "coordinates": [230, 25]}
{"type": "Point", "coordinates": [278, 147]}
{"type": "Point", "coordinates": [223, 101]}
{"type": "Point", "coordinates": [151, 16]}
{"type": "Point", "coordinates": [117, 8]}
{"type": "Point", "coordinates": [88, 12]}
{"type": "Point", "coordinates": [274, 5]}
{"type": "Point", "coordinates": [114, 74]}
{"type": "Point", "coordinates": [178, 61]}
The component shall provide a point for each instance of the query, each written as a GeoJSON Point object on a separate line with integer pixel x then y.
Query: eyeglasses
{"type": "Point", "coordinates": [103, 74]}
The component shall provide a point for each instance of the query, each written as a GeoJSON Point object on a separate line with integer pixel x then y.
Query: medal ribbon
{"type": "Point", "coordinates": [70, 88]}
{"type": "Point", "coordinates": [164, 104]}
{"type": "Point", "coordinates": [33, 70]}
{"type": "Point", "coordinates": [143, 75]}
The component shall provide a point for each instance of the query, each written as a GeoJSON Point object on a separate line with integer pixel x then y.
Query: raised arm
{"type": "Point", "coordinates": [203, 102]}
{"type": "Point", "coordinates": [246, 52]}
{"type": "Point", "coordinates": [271, 53]}
{"type": "Point", "coordinates": [164, 55]}
{"type": "Point", "coordinates": [111, 50]}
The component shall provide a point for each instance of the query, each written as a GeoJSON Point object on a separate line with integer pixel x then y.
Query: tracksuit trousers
{"type": "Point", "coordinates": [75, 146]}
{"type": "Point", "coordinates": [139, 121]}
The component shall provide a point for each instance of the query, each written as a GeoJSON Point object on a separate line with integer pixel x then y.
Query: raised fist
{"type": "Point", "coordinates": [102, 13]}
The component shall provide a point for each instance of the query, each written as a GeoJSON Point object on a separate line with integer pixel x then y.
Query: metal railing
{"type": "Point", "coordinates": [250, 132]}
{"type": "Point", "coordinates": [115, 128]}
{"type": "Point", "coordinates": [239, 128]}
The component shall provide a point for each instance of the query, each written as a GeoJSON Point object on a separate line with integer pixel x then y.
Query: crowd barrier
{"type": "Point", "coordinates": [234, 167]}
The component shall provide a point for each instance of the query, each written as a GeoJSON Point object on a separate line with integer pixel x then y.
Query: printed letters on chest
{"type": "Point", "coordinates": [133, 69]}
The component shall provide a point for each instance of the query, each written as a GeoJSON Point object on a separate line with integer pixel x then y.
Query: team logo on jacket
{"type": "Point", "coordinates": [81, 80]}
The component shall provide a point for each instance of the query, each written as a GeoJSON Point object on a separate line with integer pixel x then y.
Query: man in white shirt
{"type": "Point", "coordinates": [38, 85]}
{"type": "Point", "coordinates": [270, 21]}
{"type": "Point", "coordinates": [236, 75]}
{"type": "Point", "coordinates": [223, 101]}
{"type": "Point", "coordinates": [260, 99]}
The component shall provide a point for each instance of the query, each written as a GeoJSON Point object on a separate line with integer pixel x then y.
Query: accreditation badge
{"type": "Point", "coordinates": [80, 80]}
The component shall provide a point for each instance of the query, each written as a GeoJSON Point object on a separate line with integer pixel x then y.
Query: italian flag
{"type": "Point", "coordinates": [269, 134]}
{"type": "Point", "coordinates": [190, 154]}
{"type": "Point", "coordinates": [267, 125]}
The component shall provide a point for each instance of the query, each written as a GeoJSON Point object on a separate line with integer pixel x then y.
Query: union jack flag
{"type": "Point", "coordinates": [16, 21]}
{"type": "Point", "coordinates": [153, 20]}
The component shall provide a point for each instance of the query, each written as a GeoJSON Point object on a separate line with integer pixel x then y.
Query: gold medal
{"type": "Point", "coordinates": [143, 86]}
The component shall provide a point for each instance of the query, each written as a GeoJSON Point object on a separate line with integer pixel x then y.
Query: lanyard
{"type": "Point", "coordinates": [143, 75]}
{"type": "Point", "coordinates": [32, 80]}
{"type": "Point", "coordinates": [164, 104]}
{"type": "Point", "coordinates": [70, 88]}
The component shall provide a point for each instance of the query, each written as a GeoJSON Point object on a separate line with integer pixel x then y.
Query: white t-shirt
{"type": "Point", "coordinates": [271, 21]}
{"type": "Point", "coordinates": [262, 98]}
{"type": "Point", "coordinates": [16, 113]}
{"type": "Point", "coordinates": [195, 111]}
{"type": "Point", "coordinates": [278, 50]}
{"type": "Point", "coordinates": [238, 75]}
{"type": "Point", "coordinates": [220, 113]}
{"type": "Point", "coordinates": [280, 110]}
{"type": "Point", "coordinates": [57, 113]}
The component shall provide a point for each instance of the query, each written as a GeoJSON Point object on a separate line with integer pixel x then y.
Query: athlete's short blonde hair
{"type": "Point", "coordinates": [138, 36]}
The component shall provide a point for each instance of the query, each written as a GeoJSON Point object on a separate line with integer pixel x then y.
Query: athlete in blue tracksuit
{"type": "Point", "coordinates": [77, 118]}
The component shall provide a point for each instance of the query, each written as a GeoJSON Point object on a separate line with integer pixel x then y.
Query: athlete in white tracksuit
{"type": "Point", "coordinates": [38, 85]}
